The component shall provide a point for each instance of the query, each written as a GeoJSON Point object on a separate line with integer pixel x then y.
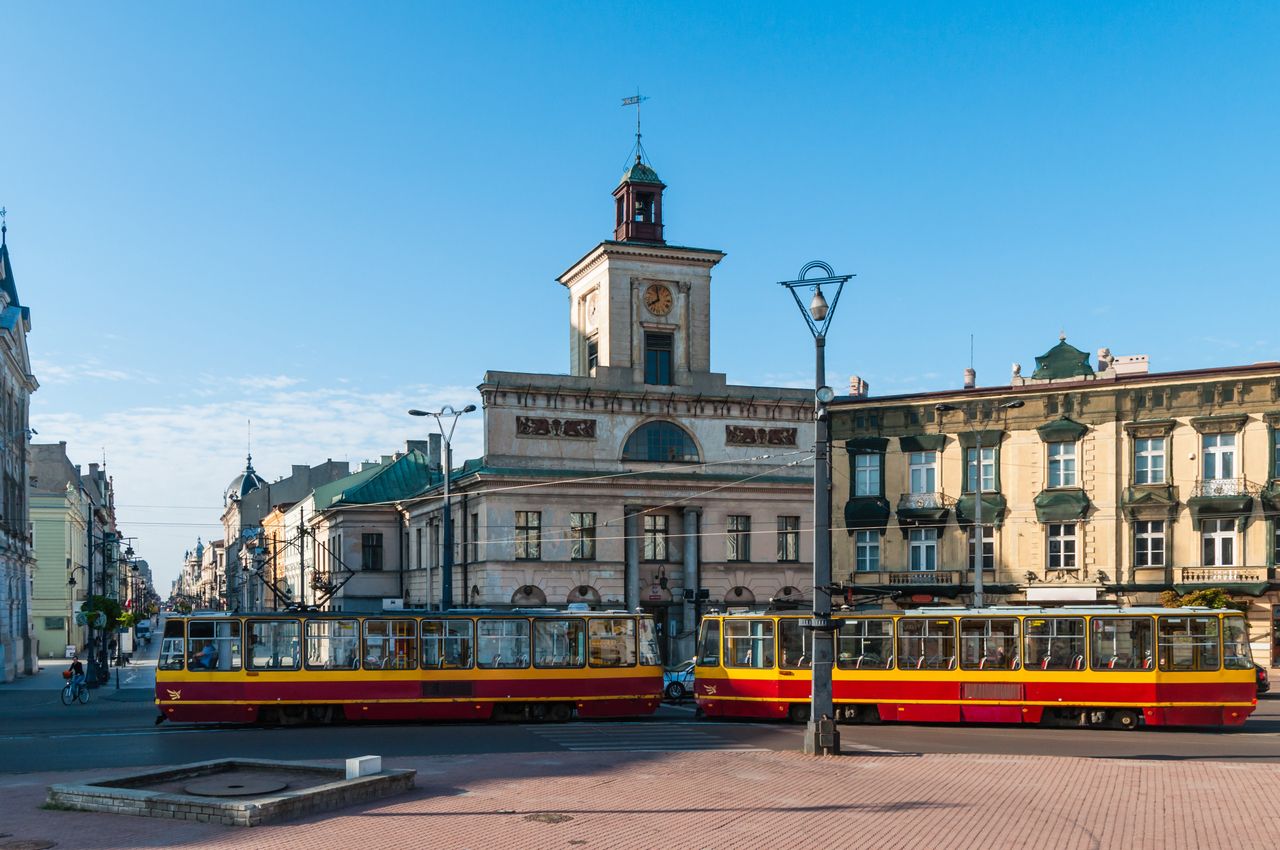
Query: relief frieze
{"type": "Point", "coordinates": [543, 426]}
{"type": "Point", "coordinates": [745, 435]}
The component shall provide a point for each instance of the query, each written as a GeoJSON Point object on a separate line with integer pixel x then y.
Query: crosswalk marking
{"type": "Point", "coordinates": [647, 738]}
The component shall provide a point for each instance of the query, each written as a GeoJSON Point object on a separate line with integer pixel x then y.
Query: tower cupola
{"type": "Point", "coordinates": [638, 205]}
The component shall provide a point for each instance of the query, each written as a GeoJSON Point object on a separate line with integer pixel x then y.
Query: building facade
{"type": "Point", "coordinates": [17, 557]}
{"type": "Point", "coordinates": [1112, 485]}
{"type": "Point", "coordinates": [247, 501]}
{"type": "Point", "coordinates": [60, 513]}
{"type": "Point", "coordinates": [640, 479]}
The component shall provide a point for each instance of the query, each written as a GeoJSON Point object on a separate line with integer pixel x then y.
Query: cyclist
{"type": "Point", "coordinates": [77, 672]}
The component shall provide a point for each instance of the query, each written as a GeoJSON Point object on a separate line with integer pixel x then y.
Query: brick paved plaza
{"type": "Point", "coordinates": [735, 800]}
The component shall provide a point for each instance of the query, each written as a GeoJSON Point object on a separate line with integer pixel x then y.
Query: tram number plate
{"type": "Point", "coordinates": [455, 688]}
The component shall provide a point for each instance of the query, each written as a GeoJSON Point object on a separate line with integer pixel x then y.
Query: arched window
{"type": "Point", "coordinates": [660, 441]}
{"type": "Point", "coordinates": [529, 594]}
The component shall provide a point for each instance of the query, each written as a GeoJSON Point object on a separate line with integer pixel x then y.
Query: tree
{"type": "Point", "coordinates": [109, 607]}
{"type": "Point", "coordinates": [1206, 597]}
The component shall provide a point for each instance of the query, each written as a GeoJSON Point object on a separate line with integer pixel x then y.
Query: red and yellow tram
{"type": "Point", "coordinates": [1097, 666]}
{"type": "Point", "coordinates": [473, 665]}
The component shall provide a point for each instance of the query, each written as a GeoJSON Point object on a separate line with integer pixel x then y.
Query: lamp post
{"type": "Point", "coordinates": [821, 735]}
{"type": "Point", "coordinates": [71, 602]}
{"type": "Point", "coordinates": [979, 537]}
{"type": "Point", "coordinates": [446, 562]}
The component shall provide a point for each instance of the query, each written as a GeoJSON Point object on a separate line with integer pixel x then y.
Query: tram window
{"type": "Point", "coordinates": [796, 644]}
{"type": "Point", "coordinates": [865, 644]}
{"type": "Point", "coordinates": [1235, 644]}
{"type": "Point", "coordinates": [173, 647]}
{"type": "Point", "coordinates": [1189, 643]}
{"type": "Point", "coordinates": [446, 644]}
{"type": "Point", "coordinates": [333, 644]}
{"type": "Point", "coordinates": [989, 644]}
{"type": "Point", "coordinates": [925, 644]}
{"type": "Point", "coordinates": [1055, 643]}
{"type": "Point", "coordinates": [213, 645]}
{"type": "Point", "coordinates": [559, 643]}
{"type": "Point", "coordinates": [390, 645]}
{"type": "Point", "coordinates": [502, 643]}
{"type": "Point", "coordinates": [748, 643]}
{"type": "Point", "coordinates": [709, 644]}
{"type": "Point", "coordinates": [612, 642]}
{"type": "Point", "coordinates": [273, 644]}
{"type": "Point", "coordinates": [649, 655]}
{"type": "Point", "coordinates": [1121, 643]}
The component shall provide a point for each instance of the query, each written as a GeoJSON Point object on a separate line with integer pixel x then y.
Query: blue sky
{"type": "Point", "coordinates": [317, 215]}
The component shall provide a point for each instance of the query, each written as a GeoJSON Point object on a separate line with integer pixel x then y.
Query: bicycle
{"type": "Point", "coordinates": [75, 690]}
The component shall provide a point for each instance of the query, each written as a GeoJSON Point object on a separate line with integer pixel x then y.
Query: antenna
{"type": "Point", "coordinates": [635, 101]}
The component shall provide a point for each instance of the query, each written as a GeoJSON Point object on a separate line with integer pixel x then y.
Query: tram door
{"type": "Point", "coordinates": [666, 618]}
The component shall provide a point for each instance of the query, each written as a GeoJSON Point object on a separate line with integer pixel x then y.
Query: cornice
{"type": "Point", "coordinates": [637, 250]}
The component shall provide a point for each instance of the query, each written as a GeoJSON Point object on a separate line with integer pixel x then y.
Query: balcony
{"type": "Point", "coordinates": [1225, 498]}
{"type": "Point", "coordinates": [1247, 580]}
{"type": "Point", "coordinates": [1218, 488]}
{"type": "Point", "coordinates": [924, 508]}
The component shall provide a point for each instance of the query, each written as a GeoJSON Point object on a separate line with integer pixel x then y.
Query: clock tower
{"type": "Point", "coordinates": [640, 309]}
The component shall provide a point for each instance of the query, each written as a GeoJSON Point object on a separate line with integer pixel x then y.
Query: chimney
{"type": "Point", "coordinates": [417, 446]}
{"type": "Point", "coordinates": [858, 388]}
{"type": "Point", "coordinates": [970, 378]}
{"type": "Point", "coordinates": [434, 443]}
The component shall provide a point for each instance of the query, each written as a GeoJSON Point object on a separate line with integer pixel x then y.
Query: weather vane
{"type": "Point", "coordinates": [635, 100]}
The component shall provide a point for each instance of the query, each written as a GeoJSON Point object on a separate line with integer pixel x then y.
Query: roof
{"type": "Point", "coordinates": [6, 276]}
{"type": "Point", "coordinates": [326, 494]}
{"type": "Point", "coordinates": [246, 482]}
{"type": "Point", "coordinates": [639, 172]}
{"type": "Point", "coordinates": [406, 476]}
{"type": "Point", "coordinates": [1062, 361]}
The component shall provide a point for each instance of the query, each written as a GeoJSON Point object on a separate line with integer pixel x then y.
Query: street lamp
{"type": "Point", "coordinates": [446, 565]}
{"type": "Point", "coordinates": [979, 537]}
{"type": "Point", "coordinates": [821, 735]}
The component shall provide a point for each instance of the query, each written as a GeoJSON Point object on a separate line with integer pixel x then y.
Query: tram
{"type": "Point", "coordinates": [281, 668]}
{"type": "Point", "coordinates": [1088, 666]}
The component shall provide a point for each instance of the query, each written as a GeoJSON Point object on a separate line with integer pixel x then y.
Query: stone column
{"type": "Point", "coordinates": [631, 530]}
{"type": "Point", "coordinates": [686, 646]}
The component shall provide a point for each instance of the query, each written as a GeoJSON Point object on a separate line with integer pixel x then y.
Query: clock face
{"type": "Point", "coordinates": [658, 299]}
{"type": "Point", "coordinates": [591, 309]}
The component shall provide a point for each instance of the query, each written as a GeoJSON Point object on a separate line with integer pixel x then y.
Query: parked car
{"type": "Point", "coordinates": [1264, 680]}
{"type": "Point", "coordinates": [677, 682]}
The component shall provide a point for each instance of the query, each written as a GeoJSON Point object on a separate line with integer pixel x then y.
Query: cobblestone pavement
{"type": "Point", "coordinates": [727, 799]}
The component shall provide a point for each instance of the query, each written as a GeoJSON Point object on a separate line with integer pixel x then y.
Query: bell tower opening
{"type": "Point", "coordinates": [638, 205]}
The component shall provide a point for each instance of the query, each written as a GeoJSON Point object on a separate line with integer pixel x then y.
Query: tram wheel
{"type": "Point", "coordinates": [1125, 718]}
{"type": "Point", "coordinates": [561, 712]}
{"type": "Point", "coordinates": [798, 712]}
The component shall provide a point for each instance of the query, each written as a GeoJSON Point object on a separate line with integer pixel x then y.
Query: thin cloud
{"type": "Point", "coordinates": [185, 454]}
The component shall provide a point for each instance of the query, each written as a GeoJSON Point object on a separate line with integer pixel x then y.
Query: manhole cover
{"type": "Point", "coordinates": [548, 817]}
{"type": "Point", "coordinates": [233, 786]}
{"type": "Point", "coordinates": [27, 844]}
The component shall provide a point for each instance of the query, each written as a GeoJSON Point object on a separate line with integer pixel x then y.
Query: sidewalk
{"type": "Point", "coordinates": [136, 674]}
{"type": "Point", "coordinates": [716, 799]}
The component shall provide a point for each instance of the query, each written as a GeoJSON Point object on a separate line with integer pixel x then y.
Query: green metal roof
{"type": "Point", "coordinates": [403, 478]}
{"type": "Point", "coordinates": [327, 494]}
{"type": "Point", "coordinates": [1062, 361]}
{"type": "Point", "coordinates": [640, 173]}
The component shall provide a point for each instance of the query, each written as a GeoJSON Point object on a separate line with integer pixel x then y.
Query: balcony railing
{"type": "Point", "coordinates": [925, 501]}
{"type": "Point", "coordinates": [1208, 488]}
{"type": "Point", "coordinates": [1218, 575]}
{"type": "Point", "coordinates": [907, 578]}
